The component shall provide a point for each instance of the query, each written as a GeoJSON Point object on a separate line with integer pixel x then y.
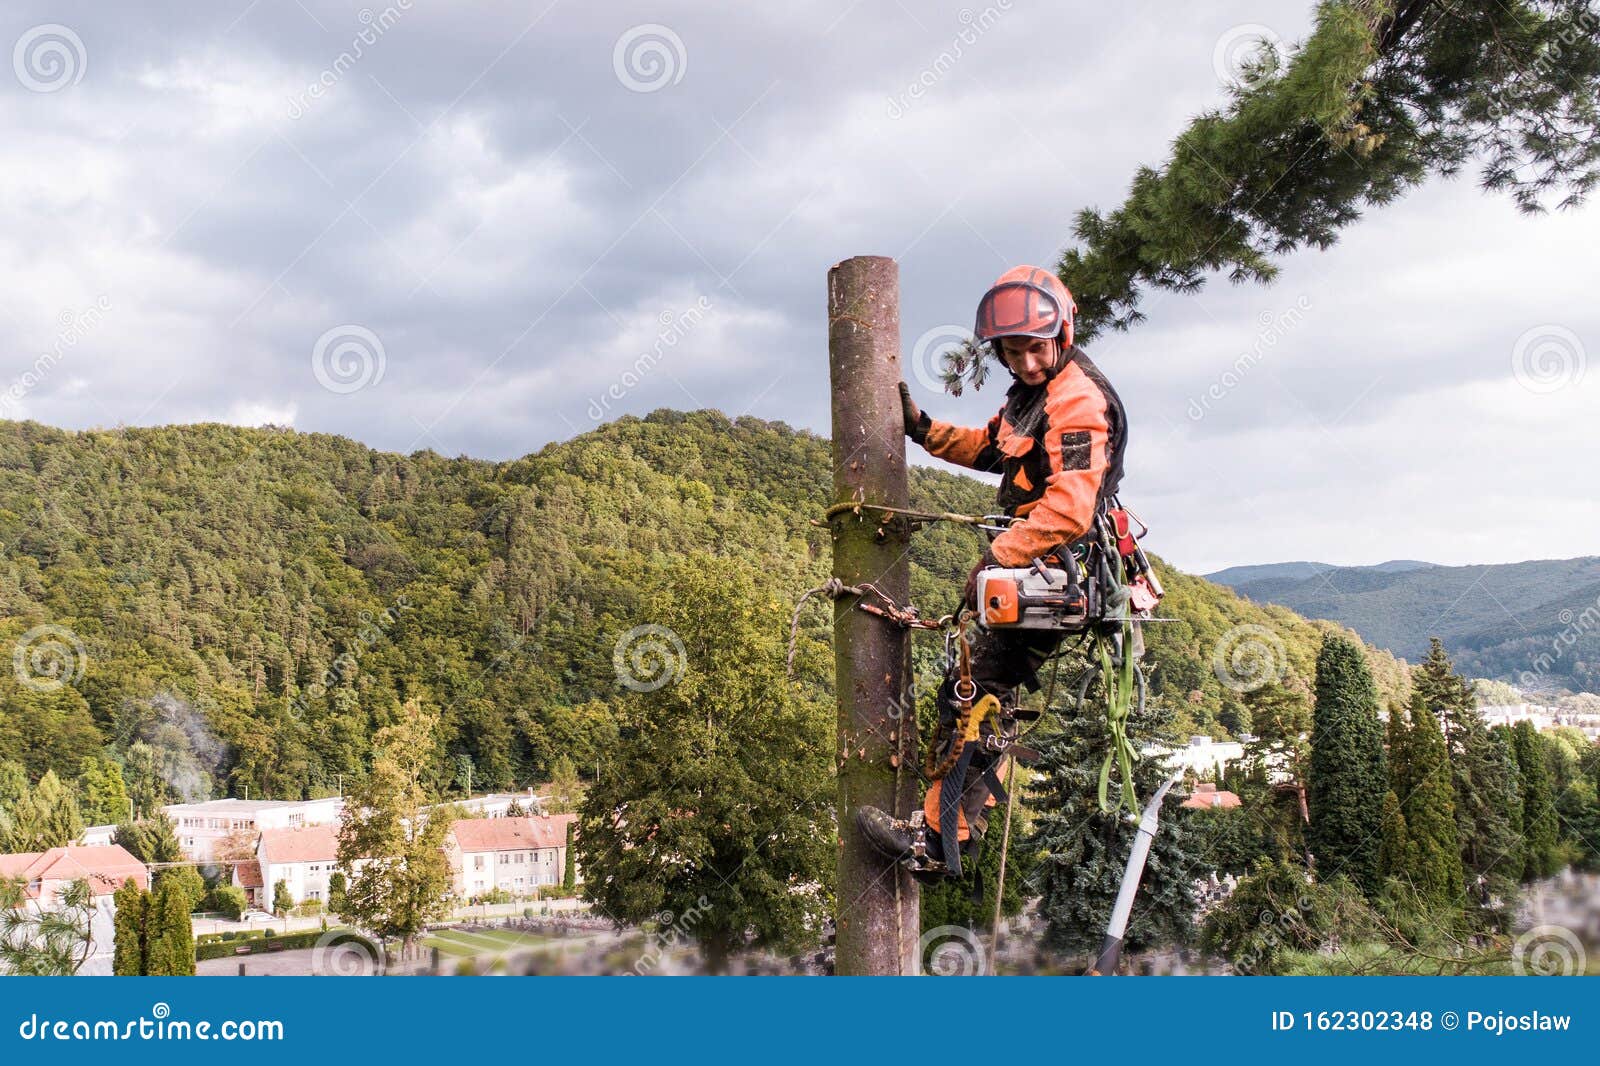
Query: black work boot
{"type": "Point", "coordinates": [885, 833]}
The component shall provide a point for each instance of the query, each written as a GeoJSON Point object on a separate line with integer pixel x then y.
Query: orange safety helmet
{"type": "Point", "coordinates": [1026, 301]}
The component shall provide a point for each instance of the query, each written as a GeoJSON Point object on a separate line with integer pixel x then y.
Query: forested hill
{"type": "Point", "coordinates": [254, 603]}
{"type": "Point", "coordinates": [1531, 623]}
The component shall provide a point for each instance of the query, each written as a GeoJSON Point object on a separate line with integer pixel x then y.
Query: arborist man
{"type": "Point", "coordinates": [1058, 445]}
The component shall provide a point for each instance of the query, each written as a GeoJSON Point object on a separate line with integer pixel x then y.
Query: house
{"type": "Point", "coordinates": [515, 855]}
{"type": "Point", "coordinates": [304, 859]}
{"type": "Point", "coordinates": [46, 874]}
{"type": "Point", "coordinates": [1207, 797]}
{"type": "Point", "coordinates": [247, 876]}
{"type": "Point", "coordinates": [200, 826]}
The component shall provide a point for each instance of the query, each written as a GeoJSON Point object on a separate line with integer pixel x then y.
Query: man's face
{"type": "Point", "coordinates": [1030, 358]}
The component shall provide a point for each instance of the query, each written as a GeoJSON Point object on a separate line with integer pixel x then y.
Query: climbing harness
{"type": "Point", "coordinates": [1103, 586]}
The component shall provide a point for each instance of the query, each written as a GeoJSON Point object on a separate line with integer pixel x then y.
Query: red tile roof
{"type": "Point", "coordinates": [1207, 797]}
{"type": "Point", "coordinates": [317, 843]}
{"type": "Point", "coordinates": [105, 867]}
{"type": "Point", "coordinates": [248, 874]}
{"type": "Point", "coordinates": [512, 834]}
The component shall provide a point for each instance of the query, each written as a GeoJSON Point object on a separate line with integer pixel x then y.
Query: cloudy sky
{"type": "Point", "coordinates": [459, 226]}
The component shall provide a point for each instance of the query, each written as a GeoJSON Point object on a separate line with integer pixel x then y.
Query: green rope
{"type": "Point", "coordinates": [1120, 685]}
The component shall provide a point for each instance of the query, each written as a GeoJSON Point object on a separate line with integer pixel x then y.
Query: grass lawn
{"type": "Point", "coordinates": [447, 947]}
{"type": "Point", "coordinates": [458, 943]}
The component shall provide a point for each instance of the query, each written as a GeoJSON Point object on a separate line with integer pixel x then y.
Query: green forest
{"type": "Point", "coordinates": [238, 611]}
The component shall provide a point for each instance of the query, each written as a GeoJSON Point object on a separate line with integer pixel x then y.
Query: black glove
{"type": "Point", "coordinates": [916, 422]}
{"type": "Point", "coordinates": [969, 595]}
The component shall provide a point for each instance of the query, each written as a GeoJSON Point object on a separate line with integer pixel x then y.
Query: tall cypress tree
{"type": "Point", "coordinates": [1430, 810]}
{"type": "Point", "coordinates": [1395, 858]}
{"type": "Point", "coordinates": [1539, 829]}
{"type": "Point", "coordinates": [1398, 733]}
{"type": "Point", "coordinates": [1488, 799]}
{"type": "Point", "coordinates": [569, 870]}
{"type": "Point", "coordinates": [128, 945]}
{"type": "Point", "coordinates": [1348, 773]}
{"type": "Point", "coordinates": [177, 930]}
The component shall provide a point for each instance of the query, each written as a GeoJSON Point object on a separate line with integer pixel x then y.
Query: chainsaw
{"type": "Point", "coordinates": [1072, 588]}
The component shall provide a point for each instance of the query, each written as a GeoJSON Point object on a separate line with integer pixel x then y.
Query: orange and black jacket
{"type": "Point", "coordinates": [1058, 449]}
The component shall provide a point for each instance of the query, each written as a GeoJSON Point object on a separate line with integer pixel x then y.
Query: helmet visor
{"type": "Point", "coordinates": [1018, 309]}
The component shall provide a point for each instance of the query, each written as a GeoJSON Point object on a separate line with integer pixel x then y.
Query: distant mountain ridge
{"type": "Point", "coordinates": [1235, 576]}
{"type": "Point", "coordinates": [1533, 623]}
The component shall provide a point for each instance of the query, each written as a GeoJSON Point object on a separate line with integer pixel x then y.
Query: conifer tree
{"type": "Point", "coordinates": [128, 945]}
{"type": "Point", "coordinates": [1082, 851]}
{"type": "Point", "coordinates": [1396, 858]}
{"type": "Point", "coordinates": [1348, 772]}
{"type": "Point", "coordinates": [1430, 812]}
{"type": "Point", "coordinates": [1540, 830]}
{"type": "Point", "coordinates": [1488, 802]}
{"type": "Point", "coordinates": [1382, 95]}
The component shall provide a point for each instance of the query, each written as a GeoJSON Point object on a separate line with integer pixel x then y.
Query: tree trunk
{"type": "Point", "coordinates": [877, 922]}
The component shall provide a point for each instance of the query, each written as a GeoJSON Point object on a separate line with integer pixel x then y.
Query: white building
{"type": "Point", "coordinates": [515, 855]}
{"type": "Point", "coordinates": [1202, 756]}
{"type": "Point", "coordinates": [200, 825]}
{"type": "Point", "coordinates": [304, 859]}
{"type": "Point", "coordinates": [46, 874]}
{"type": "Point", "coordinates": [497, 804]}
{"type": "Point", "coordinates": [1509, 714]}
